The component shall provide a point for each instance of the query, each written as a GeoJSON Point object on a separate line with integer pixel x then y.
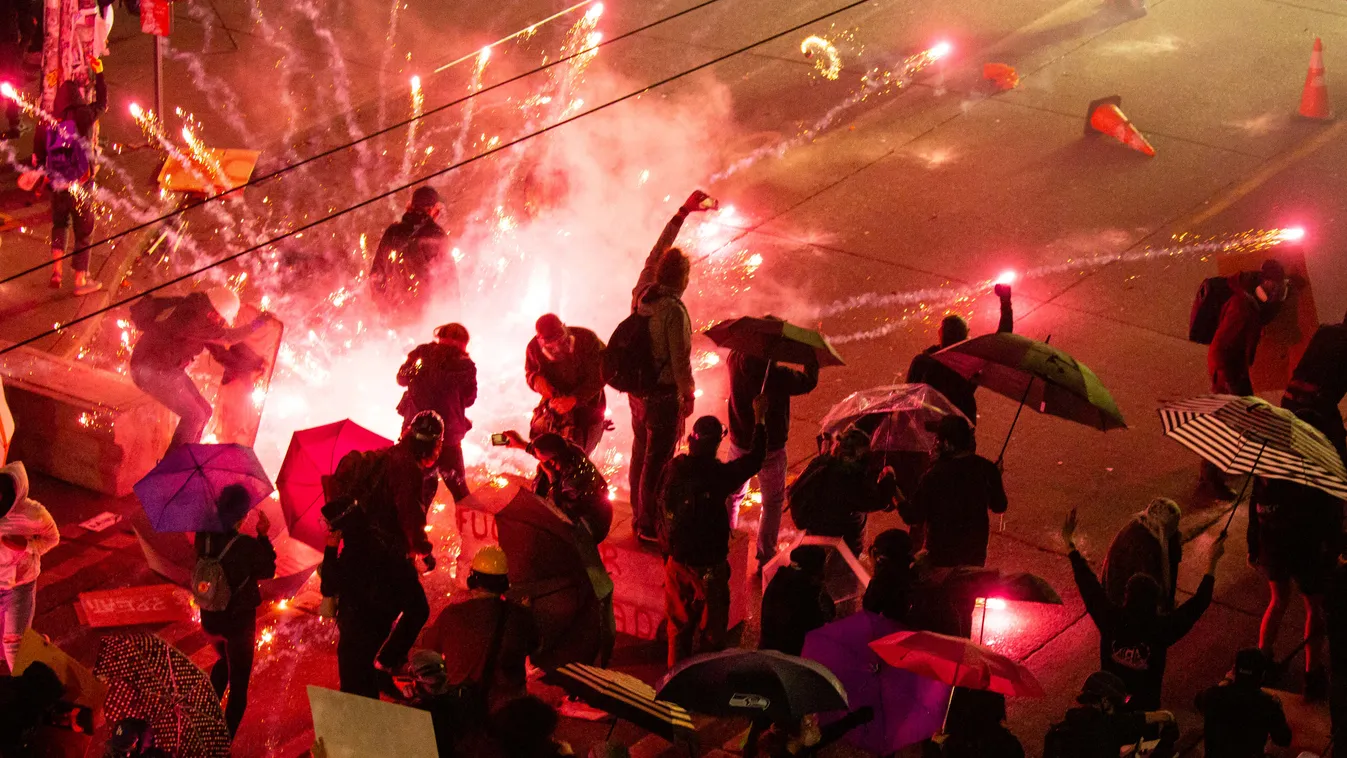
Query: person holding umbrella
{"type": "Point", "coordinates": [27, 532]}
{"type": "Point", "coordinates": [696, 530]}
{"type": "Point", "coordinates": [1135, 637]}
{"type": "Point", "coordinates": [441, 377]}
{"type": "Point", "coordinates": [750, 377]}
{"type": "Point", "coordinates": [229, 565]}
{"type": "Point", "coordinates": [975, 728]}
{"type": "Point", "coordinates": [925, 369]}
{"type": "Point", "coordinates": [954, 497]}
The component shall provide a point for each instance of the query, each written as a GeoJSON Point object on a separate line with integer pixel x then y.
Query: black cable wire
{"type": "Point", "coordinates": [347, 146]}
{"type": "Point", "coordinates": [421, 180]}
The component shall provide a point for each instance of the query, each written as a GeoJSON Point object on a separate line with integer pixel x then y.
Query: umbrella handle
{"type": "Point", "coordinates": [1016, 420]}
{"type": "Point", "coordinates": [766, 375]}
{"type": "Point", "coordinates": [1247, 484]}
{"type": "Point", "coordinates": [944, 723]}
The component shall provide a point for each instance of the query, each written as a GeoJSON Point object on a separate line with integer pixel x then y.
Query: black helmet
{"type": "Point", "coordinates": [130, 736]}
{"type": "Point", "coordinates": [426, 427]}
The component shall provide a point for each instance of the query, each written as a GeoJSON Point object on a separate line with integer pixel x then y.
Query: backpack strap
{"type": "Point", "coordinates": [228, 545]}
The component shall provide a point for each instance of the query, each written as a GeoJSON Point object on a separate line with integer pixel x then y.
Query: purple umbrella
{"type": "Point", "coordinates": [908, 708]}
{"type": "Point", "coordinates": [180, 493]}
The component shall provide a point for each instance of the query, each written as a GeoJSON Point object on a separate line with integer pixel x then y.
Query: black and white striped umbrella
{"type": "Point", "coordinates": [625, 697]}
{"type": "Point", "coordinates": [1248, 435]}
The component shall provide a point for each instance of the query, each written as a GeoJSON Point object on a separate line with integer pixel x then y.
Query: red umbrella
{"type": "Point", "coordinates": [957, 661]}
{"type": "Point", "coordinates": [312, 455]}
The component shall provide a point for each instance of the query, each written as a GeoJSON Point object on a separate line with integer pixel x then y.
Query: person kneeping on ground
{"type": "Point", "coordinates": [1239, 717]}
{"type": "Point", "coordinates": [1104, 724]}
{"type": "Point", "coordinates": [228, 596]}
{"type": "Point", "coordinates": [696, 533]}
{"type": "Point", "coordinates": [27, 532]}
{"type": "Point", "coordinates": [796, 602]}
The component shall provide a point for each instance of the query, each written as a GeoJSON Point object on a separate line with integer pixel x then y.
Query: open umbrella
{"type": "Point", "coordinates": [754, 683]}
{"type": "Point", "coordinates": [908, 707]}
{"type": "Point", "coordinates": [149, 679]}
{"type": "Point", "coordinates": [774, 340]}
{"type": "Point", "coordinates": [180, 493]}
{"type": "Point", "coordinates": [957, 661]}
{"type": "Point", "coordinates": [901, 417]}
{"type": "Point", "coordinates": [1035, 374]}
{"type": "Point", "coordinates": [625, 697]}
{"type": "Point", "coordinates": [1248, 435]}
{"type": "Point", "coordinates": [313, 454]}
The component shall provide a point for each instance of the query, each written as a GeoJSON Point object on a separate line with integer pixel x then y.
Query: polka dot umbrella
{"type": "Point", "coordinates": [149, 679]}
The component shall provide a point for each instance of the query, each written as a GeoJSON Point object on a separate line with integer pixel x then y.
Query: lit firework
{"type": "Point", "coordinates": [827, 61]}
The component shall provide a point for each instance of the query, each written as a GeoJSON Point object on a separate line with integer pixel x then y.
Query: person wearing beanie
{"type": "Point", "coordinates": [27, 532]}
{"type": "Point", "coordinates": [484, 635]}
{"type": "Point", "coordinates": [796, 602]}
{"type": "Point", "coordinates": [173, 332]}
{"type": "Point", "coordinates": [658, 416]}
{"type": "Point", "coordinates": [377, 524]}
{"type": "Point", "coordinates": [954, 499]}
{"type": "Point", "coordinates": [564, 364]}
{"type": "Point", "coordinates": [1239, 717]}
{"type": "Point", "coordinates": [440, 376]}
{"type": "Point", "coordinates": [1255, 299]}
{"type": "Point", "coordinates": [232, 630]}
{"type": "Point", "coordinates": [413, 263]}
{"type": "Point", "coordinates": [695, 504]}
{"type": "Point", "coordinates": [925, 369]}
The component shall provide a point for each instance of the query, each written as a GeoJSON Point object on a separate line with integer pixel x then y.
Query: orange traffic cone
{"type": "Point", "coordinates": [1104, 117]}
{"type": "Point", "coordinates": [1314, 100]}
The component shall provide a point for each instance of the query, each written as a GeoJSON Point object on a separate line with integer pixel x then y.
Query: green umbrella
{"type": "Point", "coordinates": [773, 339]}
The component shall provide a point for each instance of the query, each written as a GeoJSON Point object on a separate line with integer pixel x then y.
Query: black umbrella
{"type": "Point", "coordinates": [625, 697]}
{"type": "Point", "coordinates": [759, 684]}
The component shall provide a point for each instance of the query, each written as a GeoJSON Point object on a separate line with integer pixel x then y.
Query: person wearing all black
{"type": "Point", "coordinates": [441, 377]}
{"type": "Point", "coordinates": [1255, 298]}
{"type": "Point", "coordinates": [413, 261]}
{"type": "Point", "coordinates": [696, 535]}
{"type": "Point", "coordinates": [1319, 382]}
{"type": "Point", "coordinates": [1134, 638]}
{"type": "Point", "coordinates": [1103, 723]}
{"type": "Point", "coordinates": [836, 492]}
{"type": "Point", "coordinates": [1335, 609]}
{"type": "Point", "coordinates": [233, 630]}
{"type": "Point", "coordinates": [133, 738]}
{"type": "Point", "coordinates": [782, 383]}
{"type": "Point", "coordinates": [925, 369]}
{"type": "Point", "coordinates": [377, 519]}
{"type": "Point", "coordinates": [796, 602]}
{"type": "Point", "coordinates": [1294, 536]}
{"type": "Point", "coordinates": [11, 61]}
{"type": "Point", "coordinates": [1239, 717]}
{"type": "Point", "coordinates": [564, 364]}
{"type": "Point", "coordinates": [32, 701]}
{"type": "Point", "coordinates": [975, 728]}
{"type": "Point", "coordinates": [954, 498]}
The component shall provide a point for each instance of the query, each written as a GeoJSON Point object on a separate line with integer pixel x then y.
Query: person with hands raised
{"type": "Point", "coordinates": [1135, 637]}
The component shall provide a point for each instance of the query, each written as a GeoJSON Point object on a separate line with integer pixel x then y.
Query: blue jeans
{"type": "Point", "coordinates": [772, 483]}
{"type": "Point", "coordinates": [175, 390]}
{"type": "Point", "coordinates": [16, 609]}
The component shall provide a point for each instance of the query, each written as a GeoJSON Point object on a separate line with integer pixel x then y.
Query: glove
{"type": "Point", "coordinates": [1002, 291]}
{"type": "Point", "coordinates": [96, 64]}
{"type": "Point", "coordinates": [429, 561]}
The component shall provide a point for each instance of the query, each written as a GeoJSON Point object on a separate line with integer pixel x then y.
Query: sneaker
{"type": "Point", "coordinates": [646, 537]}
{"type": "Point", "coordinates": [88, 288]}
{"type": "Point", "coordinates": [1316, 684]}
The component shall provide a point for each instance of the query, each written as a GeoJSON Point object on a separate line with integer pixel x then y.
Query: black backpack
{"type": "Point", "coordinates": [1206, 315]}
{"type": "Point", "coordinates": [688, 508]}
{"type": "Point", "coordinates": [808, 493]}
{"type": "Point", "coordinates": [629, 359]}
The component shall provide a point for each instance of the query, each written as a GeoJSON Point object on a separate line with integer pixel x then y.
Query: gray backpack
{"type": "Point", "coordinates": [210, 586]}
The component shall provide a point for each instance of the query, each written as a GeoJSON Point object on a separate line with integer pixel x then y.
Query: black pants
{"type": "Point", "coordinates": [393, 600]}
{"type": "Point", "coordinates": [452, 469]}
{"type": "Point", "coordinates": [656, 425]}
{"type": "Point", "coordinates": [64, 210]}
{"type": "Point", "coordinates": [234, 637]}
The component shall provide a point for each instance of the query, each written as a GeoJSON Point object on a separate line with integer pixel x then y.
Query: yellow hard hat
{"type": "Point", "coordinates": [490, 561]}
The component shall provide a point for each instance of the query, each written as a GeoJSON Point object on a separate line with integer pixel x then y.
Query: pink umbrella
{"type": "Point", "coordinates": [957, 661]}
{"type": "Point", "coordinates": [312, 455]}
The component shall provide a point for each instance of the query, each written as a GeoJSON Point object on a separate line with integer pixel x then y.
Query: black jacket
{"type": "Point", "coordinates": [439, 378]}
{"type": "Point", "coordinates": [953, 500]}
{"type": "Point", "coordinates": [746, 374]}
{"type": "Point", "coordinates": [925, 369]}
{"type": "Point", "coordinates": [408, 253]}
{"type": "Point", "coordinates": [695, 503]}
{"type": "Point", "coordinates": [792, 607]}
{"type": "Point", "coordinates": [1135, 646]}
{"type": "Point", "coordinates": [831, 497]}
{"type": "Point", "coordinates": [1239, 720]}
{"type": "Point", "coordinates": [1323, 366]}
{"type": "Point", "coordinates": [1294, 527]}
{"type": "Point", "coordinates": [250, 559]}
{"type": "Point", "coordinates": [1090, 733]}
{"type": "Point", "coordinates": [179, 328]}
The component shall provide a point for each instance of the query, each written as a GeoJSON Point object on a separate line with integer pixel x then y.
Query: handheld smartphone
{"type": "Point", "coordinates": [710, 204]}
{"type": "Point", "coordinates": [498, 440]}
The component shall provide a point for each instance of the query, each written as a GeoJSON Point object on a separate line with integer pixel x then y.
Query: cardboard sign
{"type": "Point", "coordinates": [156, 17]}
{"type": "Point", "coordinates": [351, 726]}
{"type": "Point", "coordinates": [155, 604]}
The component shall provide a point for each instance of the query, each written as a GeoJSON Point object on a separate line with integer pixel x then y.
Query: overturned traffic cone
{"type": "Point", "coordinates": [1314, 100]}
{"type": "Point", "coordinates": [1104, 117]}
